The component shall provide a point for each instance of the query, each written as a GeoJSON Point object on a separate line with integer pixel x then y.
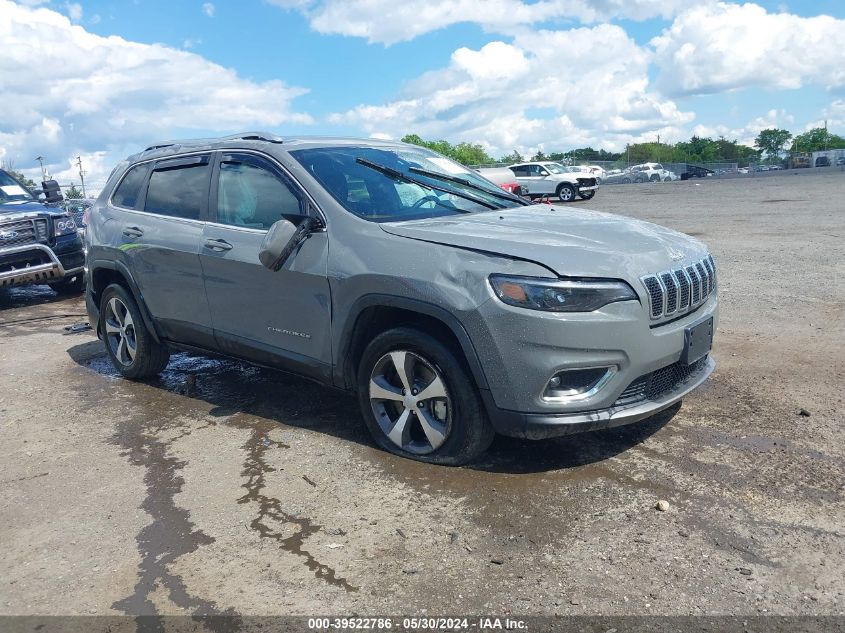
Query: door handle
{"type": "Point", "coordinates": [132, 231]}
{"type": "Point", "coordinates": [218, 245]}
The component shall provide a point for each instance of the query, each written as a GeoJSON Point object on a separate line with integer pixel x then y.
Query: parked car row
{"type": "Point", "coordinates": [388, 271]}
{"type": "Point", "coordinates": [546, 179]}
{"type": "Point", "coordinates": [645, 172]}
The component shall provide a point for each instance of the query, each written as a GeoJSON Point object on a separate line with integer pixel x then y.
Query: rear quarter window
{"type": "Point", "coordinates": [126, 194]}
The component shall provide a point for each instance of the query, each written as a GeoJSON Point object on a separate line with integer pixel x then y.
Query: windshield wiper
{"type": "Point", "coordinates": [398, 175]}
{"type": "Point", "coordinates": [504, 195]}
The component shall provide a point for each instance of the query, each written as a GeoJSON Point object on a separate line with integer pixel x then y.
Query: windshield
{"type": "Point", "coordinates": [556, 168]}
{"type": "Point", "coordinates": [390, 184]}
{"type": "Point", "coordinates": [11, 190]}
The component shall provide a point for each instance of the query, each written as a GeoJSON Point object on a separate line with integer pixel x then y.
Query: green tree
{"type": "Point", "coordinates": [9, 167]}
{"type": "Point", "coordinates": [73, 193]}
{"type": "Point", "coordinates": [513, 157]}
{"type": "Point", "coordinates": [772, 141]}
{"type": "Point", "coordinates": [539, 156]}
{"type": "Point", "coordinates": [816, 140]}
{"type": "Point", "coordinates": [464, 153]}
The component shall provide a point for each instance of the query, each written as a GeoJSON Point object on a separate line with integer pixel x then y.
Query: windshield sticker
{"type": "Point", "coordinates": [447, 165]}
{"type": "Point", "coordinates": [13, 190]}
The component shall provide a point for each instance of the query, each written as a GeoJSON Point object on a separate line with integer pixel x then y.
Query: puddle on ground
{"type": "Point", "coordinates": [25, 296]}
{"type": "Point", "coordinates": [242, 396]}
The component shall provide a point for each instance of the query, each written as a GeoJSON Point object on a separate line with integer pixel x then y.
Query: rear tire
{"type": "Point", "coordinates": [654, 178]}
{"type": "Point", "coordinates": [566, 192]}
{"type": "Point", "coordinates": [449, 427]}
{"type": "Point", "coordinates": [132, 349]}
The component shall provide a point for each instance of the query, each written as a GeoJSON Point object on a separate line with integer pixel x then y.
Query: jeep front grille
{"type": "Point", "coordinates": [681, 290]}
{"type": "Point", "coordinates": [19, 232]}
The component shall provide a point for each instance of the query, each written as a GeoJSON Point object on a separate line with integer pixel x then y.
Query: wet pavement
{"type": "Point", "coordinates": [222, 488]}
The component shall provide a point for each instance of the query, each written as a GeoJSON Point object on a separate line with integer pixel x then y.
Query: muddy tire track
{"type": "Point", "coordinates": [170, 535]}
{"type": "Point", "coordinates": [271, 517]}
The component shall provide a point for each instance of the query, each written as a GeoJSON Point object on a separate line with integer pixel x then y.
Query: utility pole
{"type": "Point", "coordinates": [40, 159]}
{"type": "Point", "coordinates": [81, 174]}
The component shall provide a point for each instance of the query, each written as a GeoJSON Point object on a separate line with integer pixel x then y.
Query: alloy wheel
{"type": "Point", "coordinates": [120, 332]}
{"type": "Point", "coordinates": [566, 194]}
{"type": "Point", "coordinates": [410, 402]}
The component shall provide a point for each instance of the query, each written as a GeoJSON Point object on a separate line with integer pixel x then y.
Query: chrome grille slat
{"type": "Point", "coordinates": [655, 292]}
{"type": "Point", "coordinates": [696, 285]}
{"type": "Point", "coordinates": [680, 290]}
{"type": "Point", "coordinates": [683, 282]}
{"type": "Point", "coordinates": [670, 285]}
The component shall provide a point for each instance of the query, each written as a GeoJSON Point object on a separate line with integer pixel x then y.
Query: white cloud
{"type": "Point", "coordinates": [527, 93]}
{"type": "Point", "coordinates": [74, 11]}
{"type": "Point", "coordinates": [95, 19]}
{"type": "Point", "coordinates": [388, 21]}
{"type": "Point", "coordinates": [209, 9]}
{"type": "Point", "coordinates": [713, 48]}
{"type": "Point", "coordinates": [833, 115]}
{"type": "Point", "coordinates": [86, 93]}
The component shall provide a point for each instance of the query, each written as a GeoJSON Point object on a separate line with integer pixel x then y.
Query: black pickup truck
{"type": "Point", "coordinates": [39, 244]}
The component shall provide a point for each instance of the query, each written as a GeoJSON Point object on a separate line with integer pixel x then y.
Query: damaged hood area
{"type": "Point", "coordinates": [571, 242]}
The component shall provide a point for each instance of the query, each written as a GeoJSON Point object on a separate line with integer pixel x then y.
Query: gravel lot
{"type": "Point", "coordinates": [222, 488]}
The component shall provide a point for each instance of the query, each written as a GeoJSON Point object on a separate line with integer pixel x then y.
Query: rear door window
{"type": "Point", "coordinates": [179, 187]}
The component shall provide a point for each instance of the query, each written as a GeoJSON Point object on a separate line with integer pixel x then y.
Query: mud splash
{"type": "Point", "coordinates": [271, 517]}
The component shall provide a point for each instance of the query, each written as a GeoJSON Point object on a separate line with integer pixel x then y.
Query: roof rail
{"type": "Point", "coordinates": [255, 136]}
{"type": "Point", "coordinates": [245, 136]}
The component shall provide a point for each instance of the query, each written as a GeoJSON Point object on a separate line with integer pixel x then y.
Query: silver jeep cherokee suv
{"type": "Point", "coordinates": [453, 309]}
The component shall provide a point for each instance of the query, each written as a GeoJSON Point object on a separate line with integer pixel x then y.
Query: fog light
{"type": "Point", "coordinates": [576, 384]}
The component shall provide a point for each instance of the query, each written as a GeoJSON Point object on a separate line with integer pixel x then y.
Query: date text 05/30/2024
{"type": "Point", "coordinates": [417, 624]}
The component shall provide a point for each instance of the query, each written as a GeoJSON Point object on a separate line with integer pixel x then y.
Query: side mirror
{"type": "Point", "coordinates": [282, 238]}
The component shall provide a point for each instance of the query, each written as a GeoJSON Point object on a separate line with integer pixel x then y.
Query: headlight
{"type": "Point", "coordinates": [64, 225]}
{"type": "Point", "coordinates": [560, 295]}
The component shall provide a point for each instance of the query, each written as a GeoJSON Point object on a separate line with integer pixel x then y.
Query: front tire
{"type": "Point", "coordinates": [566, 192]}
{"type": "Point", "coordinates": [418, 400]}
{"type": "Point", "coordinates": [131, 347]}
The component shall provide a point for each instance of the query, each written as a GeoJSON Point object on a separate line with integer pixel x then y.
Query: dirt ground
{"type": "Point", "coordinates": [223, 488]}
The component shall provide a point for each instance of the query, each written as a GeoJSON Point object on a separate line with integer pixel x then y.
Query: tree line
{"type": "Point", "coordinates": [771, 143]}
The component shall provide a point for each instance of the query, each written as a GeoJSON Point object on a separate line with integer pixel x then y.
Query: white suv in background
{"type": "Point", "coordinates": [654, 172]}
{"type": "Point", "coordinates": [548, 178]}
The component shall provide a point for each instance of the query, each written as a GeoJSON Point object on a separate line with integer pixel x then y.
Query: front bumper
{"type": "Point", "coordinates": [589, 188]}
{"type": "Point", "coordinates": [537, 426]}
{"type": "Point", "coordinates": [38, 264]}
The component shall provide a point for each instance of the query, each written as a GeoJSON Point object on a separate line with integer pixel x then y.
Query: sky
{"type": "Point", "coordinates": [102, 79]}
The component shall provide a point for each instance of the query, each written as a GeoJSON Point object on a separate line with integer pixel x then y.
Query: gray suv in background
{"type": "Point", "coordinates": [452, 308]}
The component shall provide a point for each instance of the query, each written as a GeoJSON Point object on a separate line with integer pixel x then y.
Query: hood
{"type": "Point", "coordinates": [571, 242]}
{"type": "Point", "coordinates": [29, 207]}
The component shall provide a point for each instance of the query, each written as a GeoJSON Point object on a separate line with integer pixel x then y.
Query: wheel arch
{"type": "Point", "coordinates": [104, 273]}
{"type": "Point", "coordinates": [372, 314]}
